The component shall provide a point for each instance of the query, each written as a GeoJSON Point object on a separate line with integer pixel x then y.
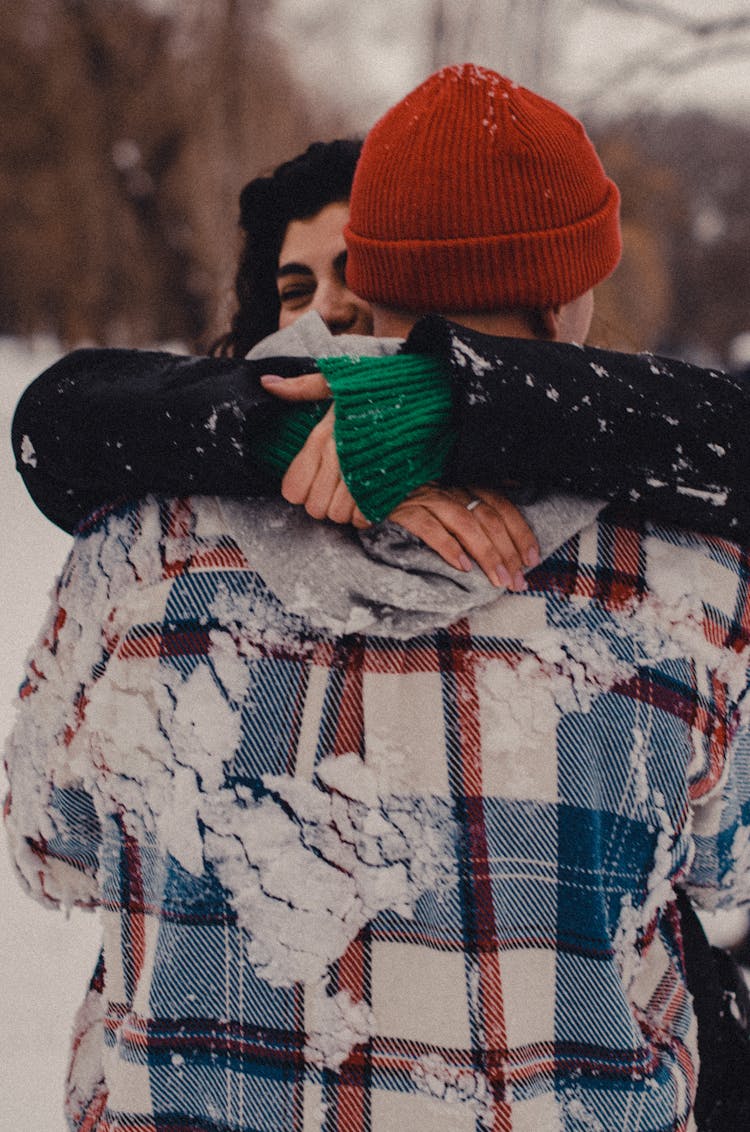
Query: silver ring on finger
{"type": "Point", "coordinates": [472, 504]}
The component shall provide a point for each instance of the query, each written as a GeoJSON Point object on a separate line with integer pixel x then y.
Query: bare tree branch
{"type": "Point", "coordinates": [665, 14]}
{"type": "Point", "coordinates": [645, 63]}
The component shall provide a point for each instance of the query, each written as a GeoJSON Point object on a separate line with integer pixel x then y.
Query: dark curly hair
{"type": "Point", "coordinates": [297, 190]}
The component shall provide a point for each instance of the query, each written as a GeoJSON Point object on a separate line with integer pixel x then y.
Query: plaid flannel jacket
{"type": "Point", "coordinates": [363, 883]}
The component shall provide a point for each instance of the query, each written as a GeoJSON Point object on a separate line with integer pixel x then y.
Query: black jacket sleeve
{"type": "Point", "coordinates": [667, 436]}
{"type": "Point", "coordinates": [104, 425]}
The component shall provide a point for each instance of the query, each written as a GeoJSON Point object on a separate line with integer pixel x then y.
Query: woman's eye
{"type": "Point", "coordinates": [295, 294]}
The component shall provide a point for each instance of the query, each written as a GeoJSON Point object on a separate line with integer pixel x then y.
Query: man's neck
{"type": "Point", "coordinates": [392, 322]}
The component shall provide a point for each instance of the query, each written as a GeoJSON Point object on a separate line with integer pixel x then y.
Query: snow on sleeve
{"type": "Point", "coordinates": [306, 865]}
{"type": "Point", "coordinates": [86, 1071]}
{"type": "Point", "coordinates": [157, 742]}
{"type": "Point", "coordinates": [720, 873]}
{"type": "Point", "coordinates": [52, 858]}
{"type": "Point", "coordinates": [456, 1085]}
{"type": "Point", "coordinates": [690, 593]}
{"type": "Point", "coordinates": [53, 761]}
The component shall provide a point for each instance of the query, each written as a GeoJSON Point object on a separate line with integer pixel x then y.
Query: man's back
{"type": "Point", "coordinates": [384, 881]}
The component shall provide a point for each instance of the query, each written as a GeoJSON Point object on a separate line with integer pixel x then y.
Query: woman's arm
{"type": "Point", "coordinates": [665, 435]}
{"type": "Point", "coordinates": [103, 425]}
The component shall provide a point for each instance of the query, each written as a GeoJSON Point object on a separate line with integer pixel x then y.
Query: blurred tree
{"type": "Point", "coordinates": [686, 43]}
{"type": "Point", "coordinates": [684, 282]}
{"type": "Point", "coordinates": [709, 254]}
{"type": "Point", "coordinates": [634, 306]}
{"type": "Point", "coordinates": [521, 38]}
{"type": "Point", "coordinates": [127, 133]}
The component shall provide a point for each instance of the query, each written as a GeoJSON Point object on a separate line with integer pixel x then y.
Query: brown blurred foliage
{"type": "Point", "coordinates": [126, 137]}
{"type": "Point", "coordinates": [633, 306]}
{"type": "Point", "coordinates": [683, 286]}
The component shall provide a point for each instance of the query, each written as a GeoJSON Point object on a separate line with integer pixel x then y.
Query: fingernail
{"type": "Point", "coordinates": [520, 583]}
{"type": "Point", "coordinates": [532, 556]}
{"type": "Point", "coordinates": [271, 379]}
{"type": "Point", "coordinates": [464, 562]}
{"type": "Point", "coordinates": [503, 577]}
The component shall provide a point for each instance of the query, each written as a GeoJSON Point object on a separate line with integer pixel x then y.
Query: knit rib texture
{"type": "Point", "coordinates": [285, 434]}
{"type": "Point", "coordinates": [473, 193]}
{"type": "Point", "coordinates": [393, 426]}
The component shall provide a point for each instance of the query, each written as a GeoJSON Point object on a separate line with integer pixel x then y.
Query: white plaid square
{"type": "Point", "coordinates": [405, 732]}
{"type": "Point", "coordinates": [518, 718]}
{"type": "Point", "coordinates": [141, 1000]}
{"type": "Point", "coordinates": [416, 1112]}
{"type": "Point", "coordinates": [540, 1114]}
{"type": "Point", "coordinates": [128, 1083]}
{"type": "Point", "coordinates": [420, 995]}
{"type": "Point", "coordinates": [111, 935]}
{"type": "Point", "coordinates": [588, 546]}
{"type": "Point", "coordinates": [511, 617]}
{"type": "Point", "coordinates": [308, 733]}
{"type": "Point", "coordinates": [313, 1109]}
{"type": "Point", "coordinates": [528, 979]}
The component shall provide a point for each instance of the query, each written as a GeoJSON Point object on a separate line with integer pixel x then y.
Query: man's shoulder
{"type": "Point", "coordinates": [695, 561]}
{"type": "Point", "coordinates": [154, 560]}
{"type": "Point", "coordinates": [700, 580]}
{"type": "Point", "coordinates": [623, 562]}
{"type": "Point", "coordinates": [151, 539]}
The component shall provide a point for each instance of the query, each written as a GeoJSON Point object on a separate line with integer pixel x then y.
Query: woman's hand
{"type": "Point", "coordinates": [457, 524]}
{"type": "Point", "coordinates": [306, 387]}
{"type": "Point", "coordinates": [313, 479]}
{"type": "Point", "coordinates": [477, 523]}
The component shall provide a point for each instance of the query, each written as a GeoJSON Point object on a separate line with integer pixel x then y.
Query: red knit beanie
{"type": "Point", "coordinates": [476, 194]}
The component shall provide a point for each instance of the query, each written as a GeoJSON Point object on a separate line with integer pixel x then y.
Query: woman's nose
{"type": "Point", "coordinates": [336, 306]}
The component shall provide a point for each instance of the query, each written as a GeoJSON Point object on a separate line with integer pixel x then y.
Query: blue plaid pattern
{"type": "Point", "coordinates": [589, 744]}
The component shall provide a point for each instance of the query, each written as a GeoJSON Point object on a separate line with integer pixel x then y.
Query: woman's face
{"type": "Point", "coordinates": [310, 275]}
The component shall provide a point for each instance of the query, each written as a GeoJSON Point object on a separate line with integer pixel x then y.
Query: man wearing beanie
{"type": "Point", "coordinates": [378, 847]}
{"type": "Point", "coordinates": [474, 194]}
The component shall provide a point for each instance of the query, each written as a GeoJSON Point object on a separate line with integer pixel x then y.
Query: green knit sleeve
{"type": "Point", "coordinates": [282, 437]}
{"type": "Point", "coordinates": [393, 425]}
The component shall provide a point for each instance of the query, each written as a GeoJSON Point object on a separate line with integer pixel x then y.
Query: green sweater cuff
{"type": "Point", "coordinates": [285, 433]}
{"type": "Point", "coordinates": [393, 426]}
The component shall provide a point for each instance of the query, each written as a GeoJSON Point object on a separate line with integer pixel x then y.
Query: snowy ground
{"type": "Point", "coordinates": [45, 960]}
